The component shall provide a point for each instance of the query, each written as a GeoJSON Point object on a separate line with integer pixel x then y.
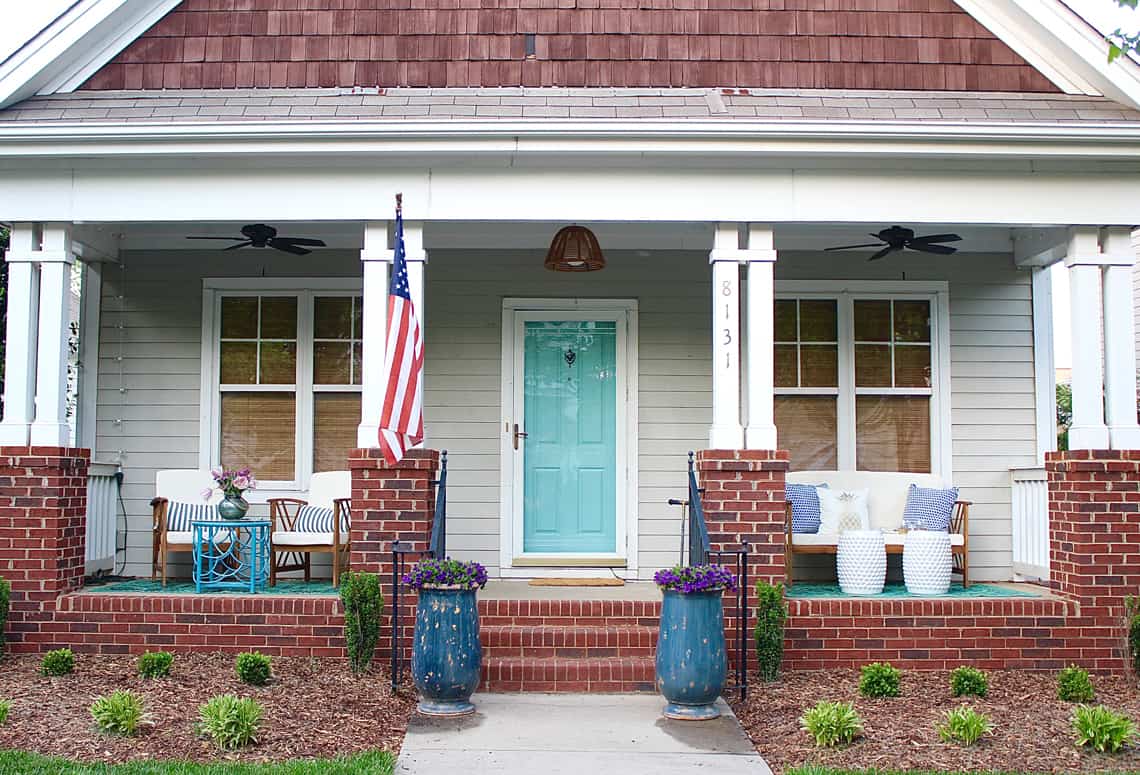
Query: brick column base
{"type": "Point", "coordinates": [391, 503]}
{"type": "Point", "coordinates": [43, 505]}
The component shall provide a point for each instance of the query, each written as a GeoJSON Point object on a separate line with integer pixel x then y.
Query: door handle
{"type": "Point", "coordinates": [518, 435]}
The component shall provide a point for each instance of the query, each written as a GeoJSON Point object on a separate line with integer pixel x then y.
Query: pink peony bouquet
{"type": "Point", "coordinates": [231, 483]}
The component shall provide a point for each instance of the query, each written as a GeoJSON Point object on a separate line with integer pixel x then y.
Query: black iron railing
{"type": "Point", "coordinates": [437, 547]}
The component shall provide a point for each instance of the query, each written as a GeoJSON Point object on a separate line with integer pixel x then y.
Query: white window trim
{"type": "Point", "coordinates": [846, 292]}
{"type": "Point", "coordinates": [209, 418]}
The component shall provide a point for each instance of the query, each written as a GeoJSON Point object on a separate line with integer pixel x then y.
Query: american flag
{"type": "Point", "coordinates": [402, 418]}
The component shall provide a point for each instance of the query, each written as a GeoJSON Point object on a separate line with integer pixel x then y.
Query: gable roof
{"type": "Point", "coordinates": [1045, 34]}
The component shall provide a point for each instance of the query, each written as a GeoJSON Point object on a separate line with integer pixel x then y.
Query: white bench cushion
{"type": "Point", "coordinates": [294, 538]}
{"type": "Point", "coordinates": [888, 490]}
{"type": "Point", "coordinates": [890, 539]}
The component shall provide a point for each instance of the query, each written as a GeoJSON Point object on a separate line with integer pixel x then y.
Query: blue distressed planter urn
{"type": "Point", "coordinates": [691, 658]}
{"type": "Point", "coordinates": [446, 654]}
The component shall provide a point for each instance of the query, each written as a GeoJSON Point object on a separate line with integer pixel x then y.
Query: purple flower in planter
{"type": "Point", "coordinates": [446, 573]}
{"type": "Point", "coordinates": [695, 578]}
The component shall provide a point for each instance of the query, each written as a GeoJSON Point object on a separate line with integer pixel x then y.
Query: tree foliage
{"type": "Point", "coordinates": [1064, 414]}
{"type": "Point", "coordinates": [1121, 42]}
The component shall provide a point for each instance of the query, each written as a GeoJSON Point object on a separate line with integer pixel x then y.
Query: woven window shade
{"type": "Point", "coordinates": [335, 418]}
{"type": "Point", "coordinates": [806, 426]}
{"type": "Point", "coordinates": [892, 433]}
{"type": "Point", "coordinates": [259, 430]}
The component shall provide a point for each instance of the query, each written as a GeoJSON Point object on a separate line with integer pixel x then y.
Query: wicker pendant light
{"type": "Point", "coordinates": [575, 249]}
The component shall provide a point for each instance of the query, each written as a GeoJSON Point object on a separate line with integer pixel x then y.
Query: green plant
{"type": "Point", "coordinates": [879, 679]}
{"type": "Point", "coordinates": [229, 721]}
{"type": "Point", "coordinates": [965, 725]}
{"type": "Point", "coordinates": [5, 706]}
{"type": "Point", "coordinates": [1132, 630]}
{"type": "Point", "coordinates": [968, 681]}
{"type": "Point", "coordinates": [1064, 414]}
{"type": "Point", "coordinates": [155, 664]}
{"type": "Point", "coordinates": [253, 668]}
{"type": "Point", "coordinates": [1103, 729]}
{"type": "Point", "coordinates": [832, 723]}
{"type": "Point", "coordinates": [118, 713]}
{"type": "Point", "coordinates": [5, 596]}
{"type": "Point", "coordinates": [1074, 685]}
{"type": "Point", "coordinates": [363, 604]}
{"type": "Point", "coordinates": [771, 613]}
{"type": "Point", "coordinates": [58, 662]}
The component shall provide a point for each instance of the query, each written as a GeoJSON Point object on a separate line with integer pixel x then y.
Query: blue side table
{"type": "Point", "coordinates": [231, 554]}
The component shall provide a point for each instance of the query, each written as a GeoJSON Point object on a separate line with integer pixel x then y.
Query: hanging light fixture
{"type": "Point", "coordinates": [575, 249]}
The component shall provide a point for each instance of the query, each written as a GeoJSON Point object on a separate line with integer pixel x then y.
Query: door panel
{"type": "Point", "coordinates": [570, 452]}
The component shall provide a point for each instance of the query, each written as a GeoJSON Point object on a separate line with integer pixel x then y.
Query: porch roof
{"type": "Point", "coordinates": [561, 104]}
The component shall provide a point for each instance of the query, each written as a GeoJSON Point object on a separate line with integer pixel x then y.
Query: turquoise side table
{"type": "Point", "coordinates": [231, 554]}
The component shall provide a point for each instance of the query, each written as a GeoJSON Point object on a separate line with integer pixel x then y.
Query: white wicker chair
{"type": "Point", "coordinates": [302, 528]}
{"type": "Point", "coordinates": [175, 486]}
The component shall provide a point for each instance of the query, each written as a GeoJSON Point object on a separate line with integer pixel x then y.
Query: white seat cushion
{"type": "Point", "coordinates": [888, 490]}
{"type": "Point", "coordinates": [292, 538]}
{"type": "Point", "coordinates": [890, 539]}
{"type": "Point", "coordinates": [187, 537]}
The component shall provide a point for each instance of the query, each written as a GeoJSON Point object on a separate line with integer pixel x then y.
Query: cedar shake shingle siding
{"type": "Point", "coordinates": [810, 44]}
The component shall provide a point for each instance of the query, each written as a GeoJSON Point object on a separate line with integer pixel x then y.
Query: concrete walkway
{"type": "Point", "coordinates": [571, 734]}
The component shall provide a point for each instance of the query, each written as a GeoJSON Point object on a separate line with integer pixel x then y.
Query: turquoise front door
{"type": "Point", "coordinates": [570, 450]}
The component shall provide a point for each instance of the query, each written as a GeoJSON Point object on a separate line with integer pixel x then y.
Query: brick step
{"type": "Point", "coordinates": [569, 613]}
{"type": "Point", "coordinates": [544, 641]}
{"type": "Point", "coordinates": [559, 674]}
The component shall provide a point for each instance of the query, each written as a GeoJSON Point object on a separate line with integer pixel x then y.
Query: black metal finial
{"type": "Point", "coordinates": [690, 460]}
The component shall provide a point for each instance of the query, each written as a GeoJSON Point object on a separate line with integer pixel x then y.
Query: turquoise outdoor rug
{"type": "Point", "coordinates": [186, 587]}
{"type": "Point", "coordinates": [806, 590]}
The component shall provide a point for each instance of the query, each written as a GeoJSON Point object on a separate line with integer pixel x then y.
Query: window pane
{"type": "Point", "coordinates": [357, 317]}
{"type": "Point", "coordinates": [785, 320]}
{"type": "Point", "coordinates": [332, 317]}
{"type": "Point", "coordinates": [238, 363]}
{"type": "Point", "coordinates": [819, 365]}
{"type": "Point", "coordinates": [818, 320]}
{"type": "Point", "coordinates": [331, 363]}
{"type": "Point", "coordinates": [278, 363]}
{"type": "Point", "coordinates": [892, 433]}
{"type": "Point", "coordinates": [912, 321]}
{"type": "Point", "coordinates": [239, 317]}
{"type": "Point", "coordinates": [872, 365]}
{"type": "Point", "coordinates": [335, 418]}
{"type": "Point", "coordinates": [806, 427]}
{"type": "Point", "coordinates": [786, 366]}
{"type": "Point", "coordinates": [279, 317]}
{"type": "Point", "coordinates": [357, 362]}
{"type": "Point", "coordinates": [259, 431]}
{"type": "Point", "coordinates": [872, 321]}
{"type": "Point", "coordinates": [912, 366]}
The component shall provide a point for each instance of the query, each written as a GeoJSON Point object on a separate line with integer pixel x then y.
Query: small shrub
{"type": "Point", "coordinates": [155, 664]}
{"type": "Point", "coordinates": [118, 713]}
{"type": "Point", "coordinates": [1132, 619]}
{"type": "Point", "coordinates": [363, 604]}
{"type": "Point", "coordinates": [1074, 685]}
{"type": "Point", "coordinates": [5, 706]}
{"type": "Point", "coordinates": [832, 723]}
{"type": "Point", "coordinates": [5, 594]}
{"type": "Point", "coordinates": [58, 662]}
{"type": "Point", "coordinates": [964, 725]}
{"type": "Point", "coordinates": [1103, 729]}
{"type": "Point", "coordinates": [253, 668]}
{"type": "Point", "coordinates": [879, 679]}
{"type": "Point", "coordinates": [229, 721]}
{"type": "Point", "coordinates": [771, 613]}
{"type": "Point", "coordinates": [968, 682]}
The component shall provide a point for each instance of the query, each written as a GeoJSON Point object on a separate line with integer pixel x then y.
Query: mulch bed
{"type": "Point", "coordinates": [1032, 731]}
{"type": "Point", "coordinates": [312, 709]}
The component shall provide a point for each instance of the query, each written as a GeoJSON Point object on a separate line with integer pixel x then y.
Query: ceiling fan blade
{"type": "Point", "coordinates": [239, 239]}
{"type": "Point", "coordinates": [936, 238]}
{"type": "Point", "coordinates": [239, 245]}
{"type": "Point", "coordinates": [317, 243]}
{"type": "Point", "coordinates": [883, 252]}
{"type": "Point", "coordinates": [853, 247]}
{"type": "Point", "coordinates": [942, 250]}
{"type": "Point", "coordinates": [287, 248]}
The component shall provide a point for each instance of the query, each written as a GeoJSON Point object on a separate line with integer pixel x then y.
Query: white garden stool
{"type": "Point", "coordinates": [926, 562]}
{"type": "Point", "coordinates": [861, 562]}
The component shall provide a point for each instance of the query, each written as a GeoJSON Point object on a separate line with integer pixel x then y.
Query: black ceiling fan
{"type": "Point", "coordinates": [897, 238]}
{"type": "Point", "coordinates": [258, 235]}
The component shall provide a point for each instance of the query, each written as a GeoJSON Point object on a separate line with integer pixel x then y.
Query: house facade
{"type": "Point", "coordinates": [717, 151]}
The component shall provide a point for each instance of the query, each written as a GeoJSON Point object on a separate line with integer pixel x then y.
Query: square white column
{"type": "Point", "coordinates": [50, 427]}
{"type": "Point", "coordinates": [726, 431]}
{"type": "Point", "coordinates": [1088, 429]}
{"type": "Point", "coordinates": [761, 258]}
{"type": "Point", "coordinates": [376, 256]}
{"type": "Point", "coordinates": [20, 338]}
{"type": "Point", "coordinates": [1119, 339]}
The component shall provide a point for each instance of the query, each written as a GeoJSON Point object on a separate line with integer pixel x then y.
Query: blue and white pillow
{"type": "Point", "coordinates": [929, 508]}
{"type": "Point", "coordinates": [315, 519]}
{"type": "Point", "coordinates": [805, 506]}
{"type": "Point", "coordinates": [179, 515]}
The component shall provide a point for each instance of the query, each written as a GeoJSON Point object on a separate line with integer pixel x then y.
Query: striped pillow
{"type": "Point", "coordinates": [929, 508]}
{"type": "Point", "coordinates": [179, 514]}
{"type": "Point", "coordinates": [805, 506]}
{"type": "Point", "coordinates": [315, 519]}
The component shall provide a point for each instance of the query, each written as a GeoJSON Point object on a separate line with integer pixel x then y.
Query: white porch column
{"type": "Point", "coordinates": [20, 338]}
{"type": "Point", "coordinates": [376, 257]}
{"type": "Point", "coordinates": [726, 431]}
{"type": "Point", "coordinates": [50, 427]}
{"type": "Point", "coordinates": [416, 257]}
{"type": "Point", "coordinates": [1119, 339]}
{"type": "Point", "coordinates": [761, 258]}
{"type": "Point", "coordinates": [1088, 429]}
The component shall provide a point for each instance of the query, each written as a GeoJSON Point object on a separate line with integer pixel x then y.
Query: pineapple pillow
{"type": "Point", "coordinates": [841, 510]}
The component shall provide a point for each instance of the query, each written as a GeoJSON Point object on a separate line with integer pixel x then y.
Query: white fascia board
{"type": "Point", "coordinates": [72, 48]}
{"type": "Point", "coordinates": [1061, 45]}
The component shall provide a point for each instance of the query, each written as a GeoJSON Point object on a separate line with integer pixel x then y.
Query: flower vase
{"type": "Point", "coordinates": [691, 658]}
{"type": "Point", "coordinates": [446, 653]}
{"type": "Point", "coordinates": [233, 507]}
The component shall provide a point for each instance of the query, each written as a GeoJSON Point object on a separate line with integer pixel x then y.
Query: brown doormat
{"type": "Point", "coordinates": [598, 582]}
